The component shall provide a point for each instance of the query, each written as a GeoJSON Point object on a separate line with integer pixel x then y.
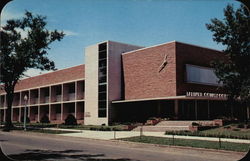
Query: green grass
{"type": "Point", "coordinates": [93, 127]}
{"type": "Point", "coordinates": [190, 143]}
{"type": "Point", "coordinates": [228, 131]}
{"type": "Point", "coordinates": [51, 131]}
{"type": "Point", "coordinates": [78, 127]}
{"type": "Point", "coordinates": [44, 131]}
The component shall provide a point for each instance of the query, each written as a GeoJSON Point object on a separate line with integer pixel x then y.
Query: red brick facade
{"type": "Point", "coordinates": [64, 75]}
{"type": "Point", "coordinates": [191, 54]}
{"type": "Point", "coordinates": [142, 78]}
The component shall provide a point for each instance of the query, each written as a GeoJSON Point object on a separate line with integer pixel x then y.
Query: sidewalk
{"type": "Point", "coordinates": [108, 135]}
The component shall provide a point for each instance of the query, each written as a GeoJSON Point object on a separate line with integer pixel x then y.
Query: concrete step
{"type": "Point", "coordinates": [161, 128]}
{"type": "Point", "coordinates": [175, 123]}
{"type": "Point", "coordinates": [184, 123]}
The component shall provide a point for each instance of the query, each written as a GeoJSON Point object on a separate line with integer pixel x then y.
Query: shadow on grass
{"type": "Point", "coordinates": [64, 155]}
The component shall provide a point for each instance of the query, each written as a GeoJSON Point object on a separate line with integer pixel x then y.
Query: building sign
{"type": "Point", "coordinates": [206, 94]}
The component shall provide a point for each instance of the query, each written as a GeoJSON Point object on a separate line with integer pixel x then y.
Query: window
{"type": "Point", "coordinates": [102, 90]}
{"type": "Point", "coordinates": [201, 75]}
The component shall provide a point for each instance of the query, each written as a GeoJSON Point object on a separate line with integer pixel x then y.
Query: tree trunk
{"type": "Point", "coordinates": [9, 98]}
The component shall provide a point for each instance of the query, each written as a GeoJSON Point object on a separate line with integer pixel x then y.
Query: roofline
{"type": "Point", "coordinates": [51, 72]}
{"type": "Point", "coordinates": [148, 47]}
{"type": "Point", "coordinates": [125, 43]}
{"type": "Point", "coordinates": [198, 46]}
{"type": "Point", "coordinates": [108, 41]}
{"type": "Point", "coordinates": [44, 86]}
{"type": "Point", "coordinates": [184, 97]}
{"type": "Point", "coordinates": [174, 41]}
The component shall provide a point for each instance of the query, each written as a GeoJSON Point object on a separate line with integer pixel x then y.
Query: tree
{"type": "Point", "coordinates": [234, 33]}
{"type": "Point", "coordinates": [18, 53]}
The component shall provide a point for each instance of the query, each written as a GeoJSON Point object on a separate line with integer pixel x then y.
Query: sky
{"type": "Point", "coordinates": [139, 22]}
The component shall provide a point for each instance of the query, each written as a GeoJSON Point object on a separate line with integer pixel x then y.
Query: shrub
{"type": "Point", "coordinates": [152, 118]}
{"type": "Point", "coordinates": [70, 120]}
{"type": "Point", "coordinates": [195, 124]}
{"type": "Point", "coordinates": [117, 129]}
{"type": "Point", "coordinates": [27, 119]}
{"type": "Point", "coordinates": [93, 128]}
{"type": "Point", "coordinates": [227, 127]}
{"type": "Point", "coordinates": [105, 129]}
{"type": "Point", "coordinates": [240, 126]}
{"type": "Point", "coordinates": [236, 129]}
{"type": "Point", "coordinates": [45, 119]}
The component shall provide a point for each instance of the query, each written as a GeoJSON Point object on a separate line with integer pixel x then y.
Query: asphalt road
{"type": "Point", "coordinates": [34, 146]}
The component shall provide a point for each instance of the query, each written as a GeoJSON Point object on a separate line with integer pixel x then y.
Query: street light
{"type": "Point", "coordinates": [24, 118]}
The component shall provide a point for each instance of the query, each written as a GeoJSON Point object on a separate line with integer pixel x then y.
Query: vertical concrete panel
{"type": "Point", "coordinates": [114, 51]}
{"type": "Point", "coordinates": [91, 85]}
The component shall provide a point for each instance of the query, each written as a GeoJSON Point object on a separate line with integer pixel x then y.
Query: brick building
{"type": "Point", "coordinates": [121, 82]}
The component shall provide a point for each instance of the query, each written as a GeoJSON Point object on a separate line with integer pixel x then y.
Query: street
{"type": "Point", "coordinates": [36, 146]}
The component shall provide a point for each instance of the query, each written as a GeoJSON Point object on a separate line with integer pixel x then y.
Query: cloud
{"type": "Point", "coordinates": [6, 15]}
{"type": "Point", "coordinates": [24, 33]}
{"type": "Point", "coordinates": [70, 33]}
{"type": "Point", "coordinates": [34, 72]}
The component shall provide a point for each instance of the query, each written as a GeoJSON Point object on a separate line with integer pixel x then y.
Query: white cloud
{"type": "Point", "coordinates": [6, 15]}
{"type": "Point", "coordinates": [24, 33]}
{"type": "Point", "coordinates": [34, 72]}
{"type": "Point", "coordinates": [69, 33]}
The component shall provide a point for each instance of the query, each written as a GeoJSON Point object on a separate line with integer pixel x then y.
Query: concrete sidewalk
{"type": "Point", "coordinates": [108, 135]}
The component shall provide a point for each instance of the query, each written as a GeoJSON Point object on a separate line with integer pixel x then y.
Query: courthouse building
{"type": "Point", "coordinates": [121, 82]}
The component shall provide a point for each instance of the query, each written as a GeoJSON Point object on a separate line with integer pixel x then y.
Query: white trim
{"type": "Point", "coordinates": [148, 47]}
{"type": "Point", "coordinates": [149, 99]}
{"type": "Point", "coordinates": [45, 86]}
{"type": "Point", "coordinates": [199, 46]}
{"type": "Point", "coordinates": [169, 43]}
{"type": "Point", "coordinates": [52, 72]}
{"type": "Point", "coordinates": [110, 41]}
{"type": "Point", "coordinates": [169, 98]}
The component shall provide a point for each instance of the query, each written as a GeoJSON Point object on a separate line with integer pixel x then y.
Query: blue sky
{"type": "Point", "coordinates": [139, 22]}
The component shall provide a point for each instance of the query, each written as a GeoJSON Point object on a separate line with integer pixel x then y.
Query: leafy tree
{"type": "Point", "coordinates": [24, 44]}
{"type": "Point", "coordinates": [234, 33]}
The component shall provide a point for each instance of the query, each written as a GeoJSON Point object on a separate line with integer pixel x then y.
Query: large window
{"type": "Point", "coordinates": [201, 75]}
{"type": "Point", "coordinates": [102, 87]}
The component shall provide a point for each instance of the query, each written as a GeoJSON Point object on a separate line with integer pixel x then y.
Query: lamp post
{"type": "Point", "coordinates": [24, 117]}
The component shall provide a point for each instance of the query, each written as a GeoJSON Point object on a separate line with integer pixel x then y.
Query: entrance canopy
{"type": "Point", "coordinates": [184, 97]}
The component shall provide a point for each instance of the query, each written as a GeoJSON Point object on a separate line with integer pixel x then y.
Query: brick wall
{"type": "Point", "coordinates": [68, 74]}
{"type": "Point", "coordinates": [142, 78]}
{"type": "Point", "coordinates": [191, 54]}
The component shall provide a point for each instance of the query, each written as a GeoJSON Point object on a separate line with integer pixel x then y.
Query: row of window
{"type": "Point", "coordinates": [102, 86]}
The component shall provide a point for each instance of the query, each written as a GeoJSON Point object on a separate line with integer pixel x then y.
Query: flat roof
{"type": "Point", "coordinates": [174, 41]}
{"type": "Point", "coordinates": [172, 98]}
{"type": "Point", "coordinates": [51, 78]}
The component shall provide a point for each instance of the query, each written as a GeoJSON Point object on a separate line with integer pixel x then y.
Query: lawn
{"type": "Point", "coordinates": [93, 127]}
{"type": "Point", "coordinates": [191, 143]}
{"type": "Point", "coordinates": [78, 127]}
{"type": "Point", "coordinates": [41, 130]}
{"type": "Point", "coordinates": [236, 131]}
{"type": "Point", "coordinates": [51, 131]}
